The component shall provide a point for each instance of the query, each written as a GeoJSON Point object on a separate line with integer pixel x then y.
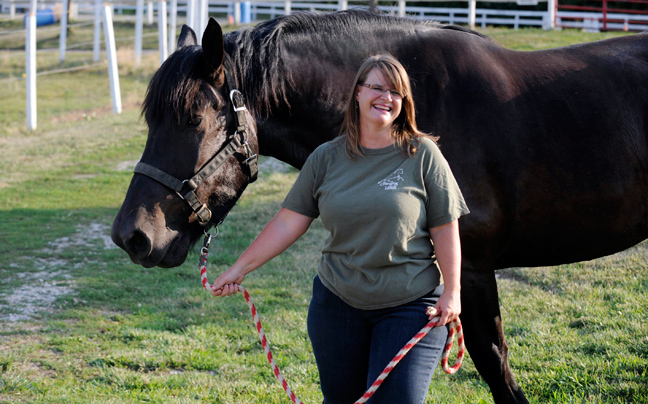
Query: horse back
{"type": "Point", "coordinates": [550, 147]}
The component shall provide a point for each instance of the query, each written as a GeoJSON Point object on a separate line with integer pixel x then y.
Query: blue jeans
{"type": "Point", "coordinates": [353, 346]}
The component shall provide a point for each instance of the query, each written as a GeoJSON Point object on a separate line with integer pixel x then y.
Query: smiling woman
{"type": "Point", "coordinates": [372, 294]}
{"type": "Point", "coordinates": [384, 108]}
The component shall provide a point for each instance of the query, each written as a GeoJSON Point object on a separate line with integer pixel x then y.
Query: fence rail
{"type": "Point", "coordinates": [566, 16]}
{"type": "Point", "coordinates": [604, 17]}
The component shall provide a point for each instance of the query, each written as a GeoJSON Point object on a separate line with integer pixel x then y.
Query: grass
{"type": "Point", "coordinates": [79, 323]}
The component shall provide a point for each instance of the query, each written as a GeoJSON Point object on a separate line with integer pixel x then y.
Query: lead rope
{"type": "Point", "coordinates": [454, 327]}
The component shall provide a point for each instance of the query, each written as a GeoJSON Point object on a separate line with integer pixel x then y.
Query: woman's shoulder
{"type": "Point", "coordinates": [335, 144]}
{"type": "Point", "coordinates": [428, 147]}
{"type": "Point", "coordinates": [327, 152]}
{"type": "Point", "coordinates": [427, 144]}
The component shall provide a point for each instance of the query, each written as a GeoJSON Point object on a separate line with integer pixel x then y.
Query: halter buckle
{"type": "Point", "coordinates": [234, 106]}
{"type": "Point", "coordinates": [248, 149]}
{"type": "Point", "coordinates": [199, 213]}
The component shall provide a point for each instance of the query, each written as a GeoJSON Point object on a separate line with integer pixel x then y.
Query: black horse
{"type": "Point", "coordinates": [549, 147]}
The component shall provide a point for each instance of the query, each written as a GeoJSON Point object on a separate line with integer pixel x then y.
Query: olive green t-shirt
{"type": "Point", "coordinates": [378, 209]}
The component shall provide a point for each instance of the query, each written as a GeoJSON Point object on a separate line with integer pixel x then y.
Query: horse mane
{"type": "Point", "coordinates": [257, 51]}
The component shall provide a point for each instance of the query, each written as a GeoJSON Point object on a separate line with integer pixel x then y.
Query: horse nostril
{"type": "Point", "coordinates": [138, 244]}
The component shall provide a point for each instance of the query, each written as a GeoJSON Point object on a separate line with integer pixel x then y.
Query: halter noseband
{"type": "Point", "coordinates": [186, 189]}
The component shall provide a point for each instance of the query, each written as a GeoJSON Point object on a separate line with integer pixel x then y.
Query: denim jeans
{"type": "Point", "coordinates": [353, 346]}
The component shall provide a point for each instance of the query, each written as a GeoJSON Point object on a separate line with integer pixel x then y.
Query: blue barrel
{"type": "Point", "coordinates": [43, 17]}
{"type": "Point", "coordinates": [246, 12]}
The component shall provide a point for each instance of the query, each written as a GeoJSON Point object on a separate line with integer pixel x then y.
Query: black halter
{"type": "Point", "coordinates": [186, 188]}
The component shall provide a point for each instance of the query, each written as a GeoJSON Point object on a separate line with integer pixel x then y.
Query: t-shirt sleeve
{"type": "Point", "coordinates": [445, 203]}
{"type": "Point", "coordinates": [302, 196]}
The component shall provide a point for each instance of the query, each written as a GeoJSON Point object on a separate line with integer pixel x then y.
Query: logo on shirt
{"type": "Point", "coordinates": [391, 182]}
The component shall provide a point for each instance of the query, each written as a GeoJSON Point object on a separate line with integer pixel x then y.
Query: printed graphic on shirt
{"type": "Point", "coordinates": [391, 182]}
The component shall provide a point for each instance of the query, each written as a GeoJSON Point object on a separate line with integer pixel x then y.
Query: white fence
{"type": "Point", "coordinates": [252, 11]}
{"type": "Point", "coordinates": [261, 10]}
{"type": "Point", "coordinates": [196, 12]}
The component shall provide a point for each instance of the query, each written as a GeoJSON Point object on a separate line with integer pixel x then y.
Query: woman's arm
{"type": "Point", "coordinates": [283, 230]}
{"type": "Point", "coordinates": [447, 247]}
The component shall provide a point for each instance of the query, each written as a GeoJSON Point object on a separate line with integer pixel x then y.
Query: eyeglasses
{"type": "Point", "coordinates": [378, 89]}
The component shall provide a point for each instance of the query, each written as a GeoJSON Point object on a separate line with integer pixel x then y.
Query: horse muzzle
{"type": "Point", "coordinates": [148, 241]}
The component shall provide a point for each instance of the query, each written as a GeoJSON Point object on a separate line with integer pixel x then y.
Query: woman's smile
{"type": "Point", "coordinates": [379, 103]}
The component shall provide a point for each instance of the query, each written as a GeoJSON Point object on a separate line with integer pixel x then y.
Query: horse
{"type": "Point", "coordinates": [549, 147]}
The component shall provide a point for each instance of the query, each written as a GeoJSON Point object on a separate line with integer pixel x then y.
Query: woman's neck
{"type": "Point", "coordinates": [376, 139]}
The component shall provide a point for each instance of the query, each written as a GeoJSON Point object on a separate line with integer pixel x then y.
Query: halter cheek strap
{"type": "Point", "coordinates": [238, 106]}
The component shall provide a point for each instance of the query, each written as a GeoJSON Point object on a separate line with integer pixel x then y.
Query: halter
{"type": "Point", "coordinates": [186, 189]}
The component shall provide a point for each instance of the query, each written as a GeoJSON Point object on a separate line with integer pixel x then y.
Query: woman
{"type": "Point", "coordinates": [383, 190]}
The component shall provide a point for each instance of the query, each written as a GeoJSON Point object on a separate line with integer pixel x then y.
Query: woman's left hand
{"type": "Point", "coordinates": [448, 307]}
{"type": "Point", "coordinates": [447, 246]}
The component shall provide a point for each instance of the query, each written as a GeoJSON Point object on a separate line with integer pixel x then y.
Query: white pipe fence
{"type": "Point", "coordinates": [96, 43]}
{"type": "Point", "coordinates": [163, 42]}
{"type": "Point", "coordinates": [64, 28]}
{"type": "Point", "coordinates": [111, 49]}
{"type": "Point", "coordinates": [30, 71]}
{"type": "Point", "coordinates": [196, 14]}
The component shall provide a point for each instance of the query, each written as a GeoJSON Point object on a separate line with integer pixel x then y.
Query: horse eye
{"type": "Point", "coordinates": [194, 120]}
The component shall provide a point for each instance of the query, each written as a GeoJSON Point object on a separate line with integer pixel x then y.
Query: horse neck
{"type": "Point", "coordinates": [296, 83]}
{"type": "Point", "coordinates": [275, 93]}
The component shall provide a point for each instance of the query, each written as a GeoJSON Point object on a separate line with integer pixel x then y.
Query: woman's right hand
{"type": "Point", "coordinates": [227, 283]}
{"type": "Point", "coordinates": [286, 227]}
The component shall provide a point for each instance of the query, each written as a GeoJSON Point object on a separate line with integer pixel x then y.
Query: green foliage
{"type": "Point", "coordinates": [80, 323]}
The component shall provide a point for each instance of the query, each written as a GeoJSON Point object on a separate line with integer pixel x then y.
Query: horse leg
{"type": "Point", "coordinates": [484, 335]}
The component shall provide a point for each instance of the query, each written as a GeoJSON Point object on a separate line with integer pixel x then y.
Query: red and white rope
{"type": "Point", "coordinates": [454, 327]}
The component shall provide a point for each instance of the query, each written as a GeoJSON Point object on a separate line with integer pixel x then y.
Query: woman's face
{"type": "Point", "coordinates": [380, 104]}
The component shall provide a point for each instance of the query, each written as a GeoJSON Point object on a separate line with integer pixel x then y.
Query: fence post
{"type": "Point", "coordinates": [173, 17]}
{"type": "Point", "coordinates": [12, 9]}
{"type": "Point", "coordinates": [149, 13]}
{"type": "Point", "coordinates": [343, 5]}
{"type": "Point", "coordinates": [96, 46]}
{"type": "Point", "coordinates": [113, 73]}
{"type": "Point", "coordinates": [551, 15]}
{"type": "Point", "coordinates": [191, 11]}
{"type": "Point", "coordinates": [162, 31]}
{"type": "Point", "coordinates": [30, 70]}
{"type": "Point", "coordinates": [197, 20]}
{"type": "Point", "coordinates": [287, 7]}
{"type": "Point", "coordinates": [63, 36]}
{"type": "Point", "coordinates": [472, 11]}
{"type": "Point", "coordinates": [237, 12]}
{"type": "Point", "coordinates": [139, 17]}
{"type": "Point", "coordinates": [401, 8]}
{"type": "Point", "coordinates": [201, 18]}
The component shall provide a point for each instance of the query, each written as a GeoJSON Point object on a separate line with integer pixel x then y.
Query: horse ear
{"type": "Point", "coordinates": [187, 37]}
{"type": "Point", "coordinates": [213, 46]}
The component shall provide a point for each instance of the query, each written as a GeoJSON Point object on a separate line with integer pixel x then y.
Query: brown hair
{"type": "Point", "coordinates": [404, 128]}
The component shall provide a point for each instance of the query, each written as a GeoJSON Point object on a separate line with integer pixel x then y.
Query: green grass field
{"type": "Point", "coordinates": [79, 323]}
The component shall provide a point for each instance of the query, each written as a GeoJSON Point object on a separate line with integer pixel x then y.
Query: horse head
{"type": "Point", "coordinates": [199, 156]}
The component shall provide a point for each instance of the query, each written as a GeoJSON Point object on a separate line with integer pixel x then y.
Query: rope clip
{"type": "Point", "coordinates": [208, 239]}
